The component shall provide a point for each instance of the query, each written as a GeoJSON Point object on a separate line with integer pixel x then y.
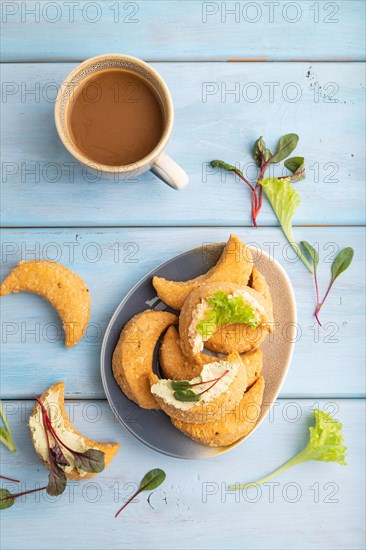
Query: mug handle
{"type": "Point", "coordinates": [170, 172]}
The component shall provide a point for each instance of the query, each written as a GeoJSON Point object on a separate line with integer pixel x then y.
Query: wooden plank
{"type": "Point", "coordinates": [314, 505]}
{"type": "Point", "coordinates": [327, 362]}
{"type": "Point", "coordinates": [43, 185]}
{"type": "Point", "coordinates": [186, 30]}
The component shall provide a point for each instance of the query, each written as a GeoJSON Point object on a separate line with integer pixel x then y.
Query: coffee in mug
{"type": "Point", "coordinates": [116, 118]}
{"type": "Point", "coordinates": [115, 114]}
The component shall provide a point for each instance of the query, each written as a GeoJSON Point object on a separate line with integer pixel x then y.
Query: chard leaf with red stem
{"type": "Point", "coordinates": [56, 478]}
{"type": "Point", "coordinates": [183, 393]}
{"type": "Point", "coordinates": [285, 147]}
{"type": "Point", "coordinates": [91, 460]}
{"type": "Point", "coordinates": [58, 456]}
{"type": "Point", "coordinates": [56, 481]}
{"type": "Point", "coordinates": [224, 166]}
{"type": "Point", "coordinates": [263, 158]}
{"type": "Point", "coordinates": [310, 253]}
{"type": "Point", "coordinates": [188, 396]}
{"type": "Point", "coordinates": [296, 165]}
{"type": "Point", "coordinates": [312, 256]}
{"type": "Point", "coordinates": [342, 262]}
{"type": "Point", "coordinates": [260, 152]}
{"type": "Point", "coordinates": [149, 482]}
{"type": "Point", "coordinates": [6, 499]}
{"type": "Point", "coordinates": [10, 479]}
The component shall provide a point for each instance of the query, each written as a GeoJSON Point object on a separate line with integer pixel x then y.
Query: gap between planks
{"type": "Point", "coordinates": [162, 60]}
{"type": "Point", "coordinates": [194, 226]}
{"type": "Point", "coordinates": [286, 398]}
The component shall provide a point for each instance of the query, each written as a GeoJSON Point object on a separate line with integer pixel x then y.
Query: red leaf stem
{"type": "Point", "coordinates": [244, 179]}
{"type": "Point", "coordinates": [10, 479]}
{"type": "Point", "coordinates": [212, 385]}
{"type": "Point", "coordinates": [131, 498]}
{"type": "Point", "coordinates": [25, 493]}
{"type": "Point", "coordinates": [320, 304]}
{"type": "Point", "coordinates": [206, 381]}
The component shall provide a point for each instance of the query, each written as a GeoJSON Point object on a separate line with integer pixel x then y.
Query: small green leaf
{"type": "Point", "coordinates": [260, 151]}
{"type": "Point", "coordinates": [56, 481]}
{"type": "Point", "coordinates": [152, 479]}
{"type": "Point", "coordinates": [180, 384]}
{"type": "Point", "coordinates": [285, 147]}
{"type": "Point", "coordinates": [342, 262]}
{"type": "Point", "coordinates": [310, 253]}
{"type": "Point", "coordinates": [90, 461]}
{"type": "Point", "coordinates": [186, 395]}
{"type": "Point", "coordinates": [5, 499]}
{"type": "Point", "coordinates": [224, 166]}
{"type": "Point", "coordinates": [296, 165]}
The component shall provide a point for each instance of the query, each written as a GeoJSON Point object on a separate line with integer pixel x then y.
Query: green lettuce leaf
{"type": "Point", "coordinates": [325, 443]}
{"type": "Point", "coordinates": [284, 200]}
{"type": "Point", "coordinates": [6, 436]}
{"type": "Point", "coordinates": [226, 311]}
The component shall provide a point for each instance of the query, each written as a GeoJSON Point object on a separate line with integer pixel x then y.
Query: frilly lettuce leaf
{"type": "Point", "coordinates": [326, 443]}
{"type": "Point", "coordinates": [225, 311]}
{"type": "Point", "coordinates": [326, 440]}
{"type": "Point", "coordinates": [284, 200]}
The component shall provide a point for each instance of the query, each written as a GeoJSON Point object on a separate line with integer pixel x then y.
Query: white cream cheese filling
{"type": "Point", "coordinates": [164, 390]}
{"type": "Point", "coordinates": [71, 439]}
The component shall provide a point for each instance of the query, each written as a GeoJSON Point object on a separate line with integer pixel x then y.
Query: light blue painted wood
{"type": "Point", "coordinates": [191, 509]}
{"type": "Point", "coordinates": [326, 363]}
{"type": "Point", "coordinates": [191, 30]}
{"type": "Point", "coordinates": [43, 185]}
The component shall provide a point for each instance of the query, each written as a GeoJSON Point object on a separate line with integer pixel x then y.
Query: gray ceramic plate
{"type": "Point", "coordinates": [153, 428]}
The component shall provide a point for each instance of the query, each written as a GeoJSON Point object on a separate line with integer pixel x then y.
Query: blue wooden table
{"type": "Point", "coordinates": [296, 67]}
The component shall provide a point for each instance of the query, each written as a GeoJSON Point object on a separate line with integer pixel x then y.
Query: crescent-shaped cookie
{"type": "Point", "coordinates": [53, 401]}
{"type": "Point", "coordinates": [133, 355]}
{"type": "Point", "coordinates": [259, 283]}
{"type": "Point", "coordinates": [172, 361]}
{"type": "Point", "coordinates": [226, 339]}
{"type": "Point", "coordinates": [60, 286]}
{"type": "Point", "coordinates": [242, 338]}
{"type": "Point", "coordinates": [176, 367]}
{"type": "Point", "coordinates": [235, 265]}
{"type": "Point", "coordinates": [232, 426]}
{"type": "Point", "coordinates": [205, 410]}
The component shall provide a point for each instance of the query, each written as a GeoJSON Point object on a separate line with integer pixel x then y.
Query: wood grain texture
{"type": "Point", "coordinates": [190, 30]}
{"type": "Point", "coordinates": [315, 505]}
{"type": "Point", "coordinates": [221, 108]}
{"type": "Point", "coordinates": [327, 362]}
{"type": "Point", "coordinates": [43, 185]}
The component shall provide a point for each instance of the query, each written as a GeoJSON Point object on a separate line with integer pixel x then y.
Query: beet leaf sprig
{"type": "Point", "coordinates": [263, 158]}
{"type": "Point", "coordinates": [149, 482]}
{"type": "Point", "coordinates": [340, 264]}
{"type": "Point", "coordinates": [184, 393]}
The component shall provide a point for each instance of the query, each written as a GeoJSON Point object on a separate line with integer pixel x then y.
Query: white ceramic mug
{"type": "Point", "coordinates": [157, 160]}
